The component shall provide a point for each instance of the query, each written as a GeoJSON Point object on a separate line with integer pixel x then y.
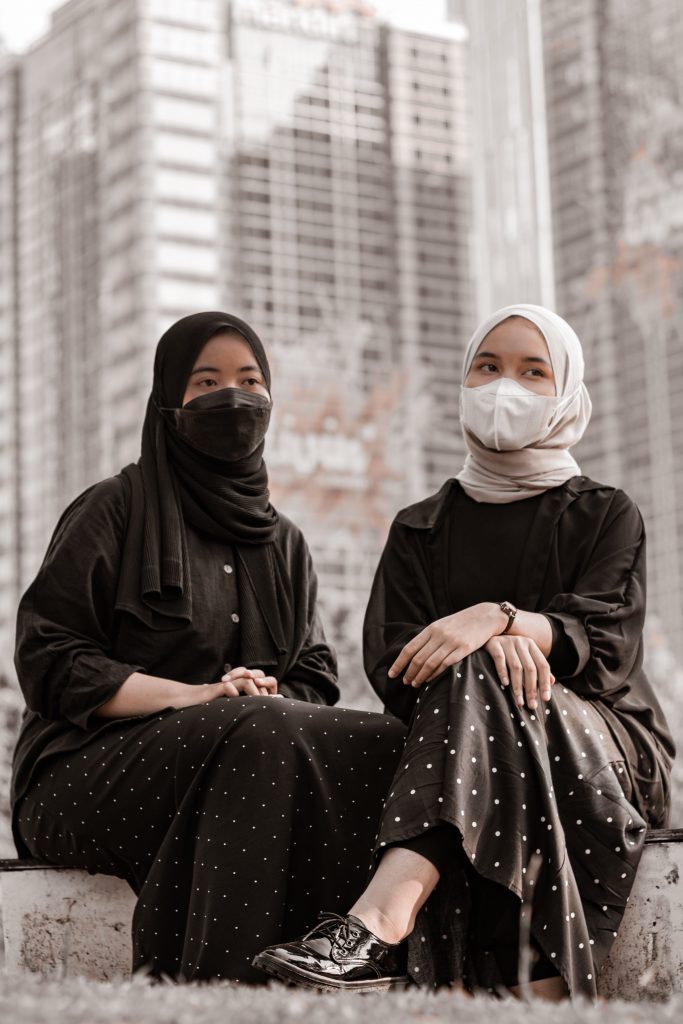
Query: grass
{"type": "Point", "coordinates": [29, 999]}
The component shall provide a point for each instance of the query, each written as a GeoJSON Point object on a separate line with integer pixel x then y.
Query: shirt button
{"type": "Point", "coordinates": [227, 568]}
{"type": "Point", "coordinates": [235, 617]}
{"type": "Point", "coordinates": [227, 667]}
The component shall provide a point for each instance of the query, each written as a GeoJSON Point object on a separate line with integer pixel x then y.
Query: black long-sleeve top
{"type": "Point", "coordinates": [74, 649]}
{"type": "Point", "coordinates": [575, 553]}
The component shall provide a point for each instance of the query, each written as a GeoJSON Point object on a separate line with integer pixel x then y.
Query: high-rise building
{"type": "Point", "coordinates": [58, 341]}
{"type": "Point", "coordinates": [576, 117]}
{"type": "Point", "coordinates": [513, 236]}
{"type": "Point", "coordinates": [302, 164]}
{"type": "Point", "coordinates": [8, 372]}
{"type": "Point", "coordinates": [351, 221]}
{"type": "Point", "coordinates": [614, 94]}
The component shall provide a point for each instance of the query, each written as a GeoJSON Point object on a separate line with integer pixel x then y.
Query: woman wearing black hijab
{"type": "Point", "coordinates": [224, 805]}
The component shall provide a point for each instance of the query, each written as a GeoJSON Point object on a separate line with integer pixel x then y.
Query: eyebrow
{"type": "Point", "coordinates": [525, 359]}
{"type": "Point", "coordinates": [215, 369]}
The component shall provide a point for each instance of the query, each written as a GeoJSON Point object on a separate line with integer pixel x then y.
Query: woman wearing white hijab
{"type": "Point", "coordinates": [510, 813]}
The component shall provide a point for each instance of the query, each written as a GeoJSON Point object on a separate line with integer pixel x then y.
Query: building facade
{"type": "Point", "coordinates": [304, 165]}
{"type": "Point", "coordinates": [8, 352]}
{"type": "Point", "coordinates": [513, 237]}
{"type": "Point", "coordinates": [577, 116]}
{"type": "Point", "coordinates": [614, 93]}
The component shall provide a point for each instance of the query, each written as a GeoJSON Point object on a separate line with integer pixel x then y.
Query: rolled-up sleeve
{"type": "Point", "coordinates": [601, 621]}
{"type": "Point", "coordinates": [570, 647]}
{"type": "Point", "coordinates": [65, 617]}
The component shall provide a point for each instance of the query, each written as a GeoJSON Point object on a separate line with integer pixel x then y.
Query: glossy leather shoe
{"type": "Point", "coordinates": [339, 954]}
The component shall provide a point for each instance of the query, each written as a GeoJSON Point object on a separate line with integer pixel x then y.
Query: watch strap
{"type": "Point", "coordinates": [511, 612]}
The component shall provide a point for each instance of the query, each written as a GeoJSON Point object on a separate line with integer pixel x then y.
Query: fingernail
{"type": "Point", "coordinates": [225, 679]}
{"type": "Point", "coordinates": [532, 704]}
{"type": "Point", "coordinates": [546, 695]}
{"type": "Point", "coordinates": [504, 680]}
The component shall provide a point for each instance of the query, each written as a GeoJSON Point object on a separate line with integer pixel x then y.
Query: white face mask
{"type": "Point", "coordinates": [505, 415]}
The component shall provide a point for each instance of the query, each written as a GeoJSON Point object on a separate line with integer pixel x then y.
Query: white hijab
{"type": "Point", "coordinates": [504, 476]}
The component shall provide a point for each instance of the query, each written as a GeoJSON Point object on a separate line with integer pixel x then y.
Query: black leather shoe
{"type": "Point", "coordinates": [338, 953]}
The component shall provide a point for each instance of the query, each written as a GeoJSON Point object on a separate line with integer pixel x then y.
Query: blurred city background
{"type": "Point", "coordinates": [361, 182]}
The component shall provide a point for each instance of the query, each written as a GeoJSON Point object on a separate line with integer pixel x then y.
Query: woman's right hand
{"type": "Point", "coordinates": [445, 641]}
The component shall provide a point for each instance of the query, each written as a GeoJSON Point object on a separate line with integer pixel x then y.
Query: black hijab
{"type": "Point", "coordinates": [173, 483]}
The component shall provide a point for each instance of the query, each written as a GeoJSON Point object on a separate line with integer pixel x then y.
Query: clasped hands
{"type": "Point", "coordinates": [249, 682]}
{"type": "Point", "coordinates": [519, 661]}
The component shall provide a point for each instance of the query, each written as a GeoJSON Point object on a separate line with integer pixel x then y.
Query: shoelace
{"type": "Point", "coordinates": [342, 931]}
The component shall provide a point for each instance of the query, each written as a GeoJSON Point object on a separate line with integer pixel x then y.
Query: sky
{"type": "Point", "coordinates": [22, 23]}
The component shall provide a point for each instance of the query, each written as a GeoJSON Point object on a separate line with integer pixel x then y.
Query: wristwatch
{"type": "Point", "coordinates": [510, 611]}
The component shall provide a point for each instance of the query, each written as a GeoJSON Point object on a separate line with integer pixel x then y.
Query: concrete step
{"type": "Point", "coordinates": [59, 921]}
{"type": "Point", "coordinates": [646, 960]}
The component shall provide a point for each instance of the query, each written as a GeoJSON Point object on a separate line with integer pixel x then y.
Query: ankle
{"type": "Point", "coordinates": [380, 924]}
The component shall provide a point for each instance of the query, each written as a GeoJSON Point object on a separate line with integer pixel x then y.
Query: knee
{"type": "Point", "coordinates": [250, 727]}
{"type": "Point", "coordinates": [474, 680]}
{"type": "Point", "coordinates": [201, 726]}
{"type": "Point", "coordinates": [483, 678]}
{"type": "Point", "coordinates": [285, 720]}
{"type": "Point", "coordinates": [277, 723]}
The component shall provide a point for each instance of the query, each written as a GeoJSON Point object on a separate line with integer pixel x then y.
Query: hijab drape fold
{"type": "Point", "coordinates": [173, 484]}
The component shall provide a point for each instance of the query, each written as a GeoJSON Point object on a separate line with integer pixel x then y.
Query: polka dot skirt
{"type": "Point", "coordinates": [235, 822]}
{"type": "Point", "coordinates": [545, 804]}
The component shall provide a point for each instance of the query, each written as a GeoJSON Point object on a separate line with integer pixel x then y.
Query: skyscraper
{"type": "Point", "coordinates": [304, 165]}
{"type": "Point", "coordinates": [614, 92]}
{"type": "Point", "coordinates": [8, 374]}
{"type": "Point", "coordinates": [59, 344]}
{"type": "Point", "coordinates": [577, 117]}
{"type": "Point", "coordinates": [513, 237]}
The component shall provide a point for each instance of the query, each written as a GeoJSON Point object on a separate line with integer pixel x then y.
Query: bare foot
{"type": "Point", "coordinates": [553, 990]}
{"type": "Point", "coordinates": [377, 923]}
{"type": "Point", "coordinates": [459, 989]}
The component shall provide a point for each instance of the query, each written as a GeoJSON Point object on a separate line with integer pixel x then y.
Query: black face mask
{"type": "Point", "coordinates": [228, 423]}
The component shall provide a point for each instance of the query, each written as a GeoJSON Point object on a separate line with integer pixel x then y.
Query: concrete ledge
{"type": "Point", "coordinates": [646, 960]}
{"type": "Point", "coordinates": [59, 921]}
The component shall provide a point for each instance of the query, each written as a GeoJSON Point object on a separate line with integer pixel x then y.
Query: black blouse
{"type": "Point", "coordinates": [74, 650]}
{"type": "Point", "coordinates": [485, 544]}
{"type": "Point", "coordinates": [582, 564]}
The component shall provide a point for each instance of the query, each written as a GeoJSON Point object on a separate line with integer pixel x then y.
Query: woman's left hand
{"type": "Point", "coordinates": [520, 661]}
{"type": "Point", "coordinates": [446, 641]}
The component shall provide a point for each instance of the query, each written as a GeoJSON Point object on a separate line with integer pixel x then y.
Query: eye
{"type": "Point", "coordinates": [484, 365]}
{"type": "Point", "coordinates": [536, 370]}
{"type": "Point", "coordinates": [207, 380]}
{"type": "Point", "coordinates": [252, 380]}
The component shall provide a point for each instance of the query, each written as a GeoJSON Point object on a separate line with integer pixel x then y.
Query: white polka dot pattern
{"type": "Point", "coordinates": [509, 783]}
